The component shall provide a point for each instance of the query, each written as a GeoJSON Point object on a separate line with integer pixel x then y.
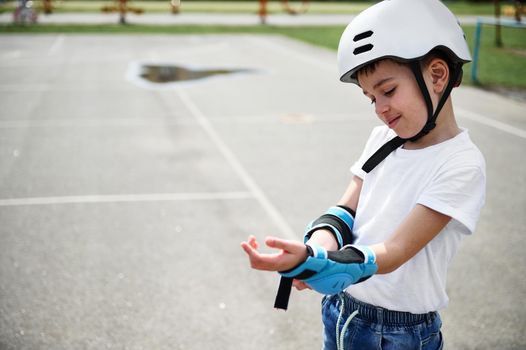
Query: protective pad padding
{"type": "Point", "coordinates": [332, 272]}
{"type": "Point", "coordinates": [338, 220]}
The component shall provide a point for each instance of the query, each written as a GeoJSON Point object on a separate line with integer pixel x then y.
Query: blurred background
{"type": "Point", "coordinates": [142, 141]}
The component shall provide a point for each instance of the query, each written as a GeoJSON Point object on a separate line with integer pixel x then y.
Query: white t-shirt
{"type": "Point", "coordinates": [448, 177]}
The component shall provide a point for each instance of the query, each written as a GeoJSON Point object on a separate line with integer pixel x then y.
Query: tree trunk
{"type": "Point", "coordinates": [498, 35]}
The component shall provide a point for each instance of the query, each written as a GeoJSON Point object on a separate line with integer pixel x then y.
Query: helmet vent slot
{"type": "Point", "coordinates": [362, 49]}
{"type": "Point", "coordinates": [363, 35]}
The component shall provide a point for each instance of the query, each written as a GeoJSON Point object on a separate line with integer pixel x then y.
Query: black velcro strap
{"type": "Point", "coordinates": [283, 295]}
{"type": "Point", "coordinates": [302, 275]}
{"type": "Point", "coordinates": [285, 285]}
{"type": "Point", "coordinates": [382, 153]}
{"type": "Point", "coordinates": [349, 210]}
{"type": "Point", "coordinates": [339, 224]}
{"type": "Point", "coordinates": [349, 255]}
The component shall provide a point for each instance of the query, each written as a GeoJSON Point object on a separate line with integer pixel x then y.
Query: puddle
{"type": "Point", "coordinates": [152, 75]}
{"type": "Point", "coordinates": [167, 74]}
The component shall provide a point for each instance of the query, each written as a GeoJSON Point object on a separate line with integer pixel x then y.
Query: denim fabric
{"type": "Point", "coordinates": [378, 328]}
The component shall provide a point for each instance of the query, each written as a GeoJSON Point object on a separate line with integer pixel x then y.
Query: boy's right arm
{"type": "Point", "coordinates": [293, 253]}
{"type": "Point", "coordinates": [325, 238]}
{"type": "Point", "coordinates": [349, 199]}
{"type": "Point", "coordinates": [352, 195]}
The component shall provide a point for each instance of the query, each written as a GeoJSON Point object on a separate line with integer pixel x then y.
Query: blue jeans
{"type": "Point", "coordinates": [376, 328]}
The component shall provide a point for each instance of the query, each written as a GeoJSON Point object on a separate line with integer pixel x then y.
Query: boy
{"type": "Point", "coordinates": [381, 255]}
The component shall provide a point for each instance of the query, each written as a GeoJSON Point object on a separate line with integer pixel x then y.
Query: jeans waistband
{"type": "Point", "coordinates": [380, 315]}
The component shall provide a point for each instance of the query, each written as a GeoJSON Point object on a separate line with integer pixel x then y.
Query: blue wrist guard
{"type": "Point", "coordinates": [331, 272]}
{"type": "Point", "coordinates": [339, 220]}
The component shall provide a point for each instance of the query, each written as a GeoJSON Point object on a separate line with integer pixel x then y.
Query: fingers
{"type": "Point", "coordinates": [276, 243]}
{"type": "Point", "coordinates": [257, 260]}
{"type": "Point", "coordinates": [291, 254]}
{"type": "Point", "coordinates": [250, 248]}
{"type": "Point", "coordinates": [299, 285]}
{"type": "Point", "coordinates": [253, 255]}
{"type": "Point", "coordinates": [250, 245]}
{"type": "Point", "coordinates": [247, 248]}
{"type": "Point", "coordinates": [252, 241]}
{"type": "Point", "coordinates": [286, 245]}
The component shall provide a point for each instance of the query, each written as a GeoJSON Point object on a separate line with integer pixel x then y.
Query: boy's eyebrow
{"type": "Point", "coordinates": [381, 82]}
{"type": "Point", "coordinates": [378, 84]}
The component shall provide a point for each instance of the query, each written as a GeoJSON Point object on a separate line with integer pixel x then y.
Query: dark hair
{"type": "Point", "coordinates": [435, 53]}
{"type": "Point", "coordinates": [371, 67]}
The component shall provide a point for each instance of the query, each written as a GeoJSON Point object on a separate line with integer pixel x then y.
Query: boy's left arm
{"type": "Point", "coordinates": [331, 272]}
{"type": "Point", "coordinates": [418, 228]}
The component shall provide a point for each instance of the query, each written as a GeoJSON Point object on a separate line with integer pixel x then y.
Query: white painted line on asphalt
{"type": "Point", "coordinates": [24, 88]}
{"type": "Point", "coordinates": [57, 45]}
{"type": "Point", "coordinates": [295, 56]}
{"type": "Point", "coordinates": [460, 112]}
{"type": "Point", "coordinates": [154, 121]}
{"type": "Point", "coordinates": [491, 122]}
{"type": "Point", "coordinates": [147, 197]}
{"type": "Point", "coordinates": [249, 182]}
{"type": "Point", "coordinates": [158, 121]}
{"type": "Point", "coordinates": [11, 54]}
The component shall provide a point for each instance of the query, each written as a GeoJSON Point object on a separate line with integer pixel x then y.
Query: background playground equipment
{"type": "Point", "coordinates": [25, 12]}
{"type": "Point", "coordinates": [291, 10]}
{"type": "Point", "coordinates": [122, 7]}
{"type": "Point", "coordinates": [497, 22]}
{"type": "Point", "coordinates": [175, 5]}
{"type": "Point", "coordinates": [517, 11]}
{"type": "Point", "coordinates": [47, 6]}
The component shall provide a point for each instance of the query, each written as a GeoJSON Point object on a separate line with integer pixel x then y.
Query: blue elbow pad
{"type": "Point", "coordinates": [331, 272]}
{"type": "Point", "coordinates": [339, 220]}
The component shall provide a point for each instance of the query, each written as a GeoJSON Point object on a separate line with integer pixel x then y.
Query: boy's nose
{"type": "Point", "coordinates": [381, 107]}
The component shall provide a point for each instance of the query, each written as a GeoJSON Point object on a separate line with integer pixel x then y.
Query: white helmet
{"type": "Point", "coordinates": [405, 30]}
{"type": "Point", "coordinates": [402, 29]}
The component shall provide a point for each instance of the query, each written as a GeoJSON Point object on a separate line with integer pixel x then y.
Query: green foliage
{"type": "Point", "coordinates": [504, 66]}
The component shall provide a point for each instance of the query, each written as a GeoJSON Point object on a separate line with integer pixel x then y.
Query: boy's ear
{"type": "Point", "coordinates": [439, 73]}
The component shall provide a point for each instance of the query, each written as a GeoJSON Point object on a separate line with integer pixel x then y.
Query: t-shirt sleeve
{"type": "Point", "coordinates": [378, 137]}
{"type": "Point", "coordinates": [458, 193]}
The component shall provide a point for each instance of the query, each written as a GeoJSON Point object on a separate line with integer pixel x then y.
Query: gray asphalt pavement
{"type": "Point", "coordinates": [123, 202]}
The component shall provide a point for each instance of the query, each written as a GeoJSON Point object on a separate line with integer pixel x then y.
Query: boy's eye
{"type": "Point", "coordinates": [390, 92]}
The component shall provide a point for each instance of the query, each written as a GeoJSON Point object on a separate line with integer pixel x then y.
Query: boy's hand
{"type": "Point", "coordinates": [300, 285]}
{"type": "Point", "coordinates": [291, 254]}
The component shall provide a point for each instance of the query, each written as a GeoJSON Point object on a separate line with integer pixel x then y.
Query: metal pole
{"type": "Point", "coordinates": [122, 11]}
{"type": "Point", "coordinates": [263, 11]}
{"type": "Point", "coordinates": [476, 49]}
{"type": "Point", "coordinates": [498, 36]}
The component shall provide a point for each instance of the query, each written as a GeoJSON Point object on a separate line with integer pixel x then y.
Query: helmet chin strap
{"type": "Point", "coordinates": [391, 145]}
{"type": "Point", "coordinates": [431, 118]}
